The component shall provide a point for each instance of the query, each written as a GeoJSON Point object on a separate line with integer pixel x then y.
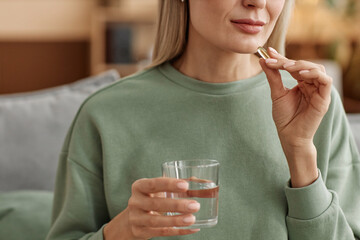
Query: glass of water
{"type": "Point", "coordinates": [203, 178]}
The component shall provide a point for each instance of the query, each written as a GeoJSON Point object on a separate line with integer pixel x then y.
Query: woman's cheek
{"type": "Point", "coordinates": [275, 8]}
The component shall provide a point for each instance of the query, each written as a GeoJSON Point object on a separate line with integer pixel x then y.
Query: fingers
{"type": "Point", "coordinates": [309, 72]}
{"type": "Point", "coordinates": [163, 204]}
{"type": "Point", "coordinates": [274, 78]}
{"type": "Point", "coordinates": [322, 82]}
{"type": "Point", "coordinates": [145, 219]}
{"type": "Point", "coordinates": [300, 65]}
{"type": "Point", "coordinates": [147, 233]}
{"type": "Point", "coordinates": [147, 203]}
{"type": "Point", "coordinates": [161, 184]}
{"type": "Point", "coordinates": [277, 61]}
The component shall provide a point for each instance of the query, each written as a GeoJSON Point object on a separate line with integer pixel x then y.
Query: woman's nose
{"type": "Point", "coordinates": [254, 3]}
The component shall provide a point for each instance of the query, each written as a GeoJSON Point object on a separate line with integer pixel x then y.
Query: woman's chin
{"type": "Point", "coordinates": [247, 51]}
{"type": "Point", "coordinates": [247, 48]}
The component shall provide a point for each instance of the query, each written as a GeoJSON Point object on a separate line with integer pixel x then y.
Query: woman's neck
{"type": "Point", "coordinates": [217, 69]}
{"type": "Point", "coordinates": [203, 61]}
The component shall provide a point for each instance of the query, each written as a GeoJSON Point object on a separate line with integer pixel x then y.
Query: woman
{"type": "Point", "coordinates": [289, 165]}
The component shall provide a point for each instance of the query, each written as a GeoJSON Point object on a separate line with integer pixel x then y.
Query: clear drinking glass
{"type": "Point", "coordinates": [203, 178]}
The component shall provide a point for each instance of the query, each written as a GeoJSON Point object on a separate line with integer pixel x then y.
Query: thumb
{"type": "Point", "coordinates": [274, 78]}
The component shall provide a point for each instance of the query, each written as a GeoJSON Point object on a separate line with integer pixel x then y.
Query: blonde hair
{"type": "Point", "coordinates": [172, 30]}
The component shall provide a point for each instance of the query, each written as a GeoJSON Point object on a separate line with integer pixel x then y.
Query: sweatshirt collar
{"type": "Point", "coordinates": [179, 78]}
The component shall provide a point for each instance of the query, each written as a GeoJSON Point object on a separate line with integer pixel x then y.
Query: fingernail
{"type": "Point", "coordinates": [194, 206]}
{"type": "Point", "coordinates": [289, 64]}
{"type": "Point", "coordinates": [271, 60]}
{"type": "Point", "coordinates": [273, 50]}
{"type": "Point", "coordinates": [182, 185]}
{"type": "Point", "coordinates": [304, 71]}
{"type": "Point", "coordinates": [189, 219]}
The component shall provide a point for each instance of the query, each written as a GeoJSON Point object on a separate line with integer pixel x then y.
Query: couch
{"type": "Point", "coordinates": [32, 130]}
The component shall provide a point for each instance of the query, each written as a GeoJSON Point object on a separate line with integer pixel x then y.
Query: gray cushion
{"type": "Point", "coordinates": [25, 215]}
{"type": "Point", "coordinates": [354, 120]}
{"type": "Point", "coordinates": [33, 127]}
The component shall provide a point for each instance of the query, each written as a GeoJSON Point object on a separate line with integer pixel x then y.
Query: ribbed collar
{"type": "Point", "coordinates": [211, 88]}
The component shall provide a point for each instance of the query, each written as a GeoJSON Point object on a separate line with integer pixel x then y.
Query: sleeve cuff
{"type": "Point", "coordinates": [308, 202]}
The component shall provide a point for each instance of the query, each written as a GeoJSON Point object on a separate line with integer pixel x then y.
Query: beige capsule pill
{"type": "Point", "coordinates": [263, 53]}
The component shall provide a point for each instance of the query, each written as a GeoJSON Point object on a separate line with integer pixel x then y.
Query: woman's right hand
{"type": "Point", "coordinates": [142, 219]}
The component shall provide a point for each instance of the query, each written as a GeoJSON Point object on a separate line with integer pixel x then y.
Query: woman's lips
{"type": "Point", "coordinates": [248, 26]}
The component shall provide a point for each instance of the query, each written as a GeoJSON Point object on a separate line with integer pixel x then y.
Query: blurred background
{"type": "Point", "coordinates": [47, 43]}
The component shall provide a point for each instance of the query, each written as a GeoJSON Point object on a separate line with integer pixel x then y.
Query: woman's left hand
{"type": "Point", "coordinates": [297, 112]}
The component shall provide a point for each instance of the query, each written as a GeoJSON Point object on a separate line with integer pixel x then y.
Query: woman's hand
{"type": "Point", "coordinates": [142, 219]}
{"type": "Point", "coordinates": [298, 112]}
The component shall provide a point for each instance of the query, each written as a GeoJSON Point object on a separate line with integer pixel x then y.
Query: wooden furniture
{"type": "Point", "coordinates": [48, 43]}
{"type": "Point", "coordinates": [43, 43]}
{"type": "Point", "coordinates": [140, 15]}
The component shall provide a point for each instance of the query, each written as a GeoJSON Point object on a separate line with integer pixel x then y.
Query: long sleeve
{"type": "Point", "coordinates": [329, 208]}
{"type": "Point", "coordinates": [79, 209]}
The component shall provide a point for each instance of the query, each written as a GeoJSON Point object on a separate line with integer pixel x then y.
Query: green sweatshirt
{"type": "Point", "coordinates": [125, 131]}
